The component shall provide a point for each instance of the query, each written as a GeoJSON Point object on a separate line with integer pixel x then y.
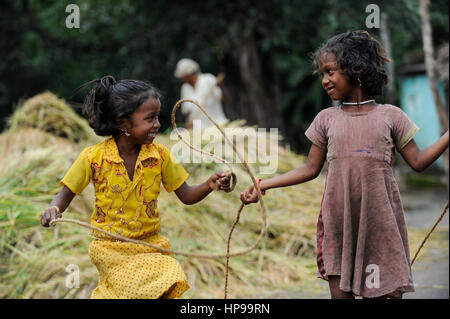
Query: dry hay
{"type": "Point", "coordinates": [32, 258]}
{"type": "Point", "coordinates": [51, 114]}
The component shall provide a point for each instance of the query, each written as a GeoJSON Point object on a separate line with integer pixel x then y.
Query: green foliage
{"type": "Point", "coordinates": [144, 39]}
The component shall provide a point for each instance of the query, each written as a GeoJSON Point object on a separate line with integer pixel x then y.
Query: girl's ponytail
{"type": "Point", "coordinates": [96, 105]}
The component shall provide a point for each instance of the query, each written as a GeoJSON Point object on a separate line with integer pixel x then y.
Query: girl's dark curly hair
{"type": "Point", "coordinates": [360, 56]}
{"type": "Point", "coordinates": [110, 100]}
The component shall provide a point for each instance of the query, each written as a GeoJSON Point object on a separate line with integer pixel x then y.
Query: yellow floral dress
{"type": "Point", "coordinates": [129, 208]}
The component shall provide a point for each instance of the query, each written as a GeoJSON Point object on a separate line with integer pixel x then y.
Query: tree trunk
{"type": "Point", "coordinates": [430, 64]}
{"type": "Point", "coordinates": [386, 41]}
{"type": "Point", "coordinates": [252, 85]}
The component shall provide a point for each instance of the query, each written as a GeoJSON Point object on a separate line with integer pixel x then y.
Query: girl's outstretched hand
{"type": "Point", "coordinates": [219, 181]}
{"type": "Point", "coordinates": [249, 196]}
{"type": "Point", "coordinates": [50, 214]}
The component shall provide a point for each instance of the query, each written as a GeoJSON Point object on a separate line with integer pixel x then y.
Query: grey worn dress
{"type": "Point", "coordinates": [361, 231]}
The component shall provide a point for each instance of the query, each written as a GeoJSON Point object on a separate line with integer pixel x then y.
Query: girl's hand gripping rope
{"type": "Point", "coordinates": [220, 181]}
{"type": "Point", "coordinates": [251, 195]}
{"type": "Point", "coordinates": [50, 214]}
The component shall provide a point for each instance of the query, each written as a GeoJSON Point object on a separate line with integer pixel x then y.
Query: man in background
{"type": "Point", "coordinates": [204, 88]}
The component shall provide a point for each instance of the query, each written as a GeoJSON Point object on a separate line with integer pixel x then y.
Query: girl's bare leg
{"type": "Point", "coordinates": [335, 292]}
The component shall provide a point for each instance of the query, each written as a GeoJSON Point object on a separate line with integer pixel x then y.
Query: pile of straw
{"type": "Point", "coordinates": [51, 114]}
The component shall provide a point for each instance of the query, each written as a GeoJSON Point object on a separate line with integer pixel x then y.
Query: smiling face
{"type": "Point", "coordinates": [334, 80]}
{"type": "Point", "coordinates": [144, 123]}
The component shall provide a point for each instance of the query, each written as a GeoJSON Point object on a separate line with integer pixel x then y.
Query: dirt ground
{"type": "Point", "coordinates": [430, 270]}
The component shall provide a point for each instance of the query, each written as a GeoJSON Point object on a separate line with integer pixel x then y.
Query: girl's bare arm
{"type": "Point", "coordinates": [304, 173]}
{"type": "Point", "coordinates": [193, 194]}
{"type": "Point", "coordinates": [62, 200]}
{"type": "Point", "coordinates": [421, 159]}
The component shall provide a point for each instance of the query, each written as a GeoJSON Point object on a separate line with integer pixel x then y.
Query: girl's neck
{"type": "Point", "coordinates": [352, 103]}
{"type": "Point", "coordinates": [126, 148]}
{"type": "Point", "coordinates": [358, 97]}
{"type": "Point", "coordinates": [359, 102]}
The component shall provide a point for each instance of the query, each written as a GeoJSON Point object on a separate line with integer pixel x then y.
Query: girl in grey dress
{"type": "Point", "coordinates": [362, 240]}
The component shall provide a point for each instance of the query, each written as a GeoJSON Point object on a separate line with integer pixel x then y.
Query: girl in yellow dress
{"type": "Point", "coordinates": [127, 170]}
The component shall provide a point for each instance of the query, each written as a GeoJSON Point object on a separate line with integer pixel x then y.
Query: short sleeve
{"type": "Point", "coordinates": [403, 129]}
{"type": "Point", "coordinates": [173, 173]}
{"type": "Point", "coordinates": [79, 174]}
{"type": "Point", "coordinates": [317, 131]}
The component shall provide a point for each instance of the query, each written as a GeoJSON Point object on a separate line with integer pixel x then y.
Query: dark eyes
{"type": "Point", "coordinates": [327, 71]}
{"type": "Point", "coordinates": [152, 117]}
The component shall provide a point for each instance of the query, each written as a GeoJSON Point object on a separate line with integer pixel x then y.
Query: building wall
{"type": "Point", "coordinates": [418, 103]}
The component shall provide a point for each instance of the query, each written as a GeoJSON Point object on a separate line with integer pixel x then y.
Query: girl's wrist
{"type": "Point", "coordinates": [211, 184]}
{"type": "Point", "coordinates": [58, 211]}
{"type": "Point", "coordinates": [261, 189]}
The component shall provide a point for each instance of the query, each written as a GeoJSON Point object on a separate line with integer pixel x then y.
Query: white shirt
{"type": "Point", "coordinates": [207, 94]}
